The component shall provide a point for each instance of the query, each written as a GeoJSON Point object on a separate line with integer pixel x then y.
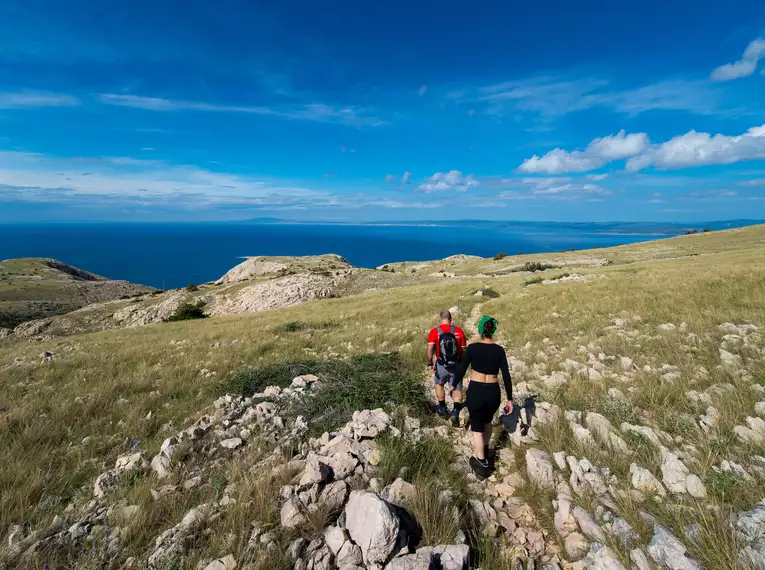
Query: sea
{"type": "Point", "coordinates": [171, 255]}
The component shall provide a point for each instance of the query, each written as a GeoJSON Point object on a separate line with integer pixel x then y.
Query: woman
{"type": "Point", "coordinates": [483, 394]}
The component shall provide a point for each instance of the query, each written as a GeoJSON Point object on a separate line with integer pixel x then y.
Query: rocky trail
{"type": "Point", "coordinates": [550, 504]}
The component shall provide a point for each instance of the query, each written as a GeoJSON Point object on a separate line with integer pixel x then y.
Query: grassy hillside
{"type": "Point", "coordinates": [67, 420]}
{"type": "Point", "coordinates": [34, 288]}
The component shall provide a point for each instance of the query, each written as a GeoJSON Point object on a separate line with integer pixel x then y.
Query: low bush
{"type": "Point", "coordinates": [297, 326]}
{"type": "Point", "coordinates": [534, 266]}
{"type": "Point", "coordinates": [362, 382]}
{"type": "Point", "coordinates": [500, 255]}
{"type": "Point", "coordinates": [191, 288]}
{"type": "Point", "coordinates": [188, 312]}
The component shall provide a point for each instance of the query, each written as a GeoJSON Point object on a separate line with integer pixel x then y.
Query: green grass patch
{"type": "Point", "coordinates": [427, 458]}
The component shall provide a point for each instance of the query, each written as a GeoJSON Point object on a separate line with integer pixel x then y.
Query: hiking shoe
{"type": "Point", "coordinates": [480, 468]}
{"type": "Point", "coordinates": [488, 453]}
{"type": "Point", "coordinates": [442, 411]}
{"type": "Point", "coordinates": [455, 418]}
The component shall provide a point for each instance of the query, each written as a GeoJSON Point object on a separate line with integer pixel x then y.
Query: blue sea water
{"type": "Point", "coordinates": [174, 255]}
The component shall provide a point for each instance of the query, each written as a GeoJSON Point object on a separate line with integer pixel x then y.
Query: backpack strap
{"type": "Point", "coordinates": [452, 329]}
{"type": "Point", "coordinates": [439, 331]}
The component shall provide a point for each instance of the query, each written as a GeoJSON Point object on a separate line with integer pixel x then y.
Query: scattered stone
{"type": "Point", "coordinates": [225, 563]}
{"type": "Point", "coordinates": [645, 482]}
{"type": "Point", "coordinates": [666, 549]}
{"type": "Point", "coordinates": [291, 515]}
{"type": "Point", "coordinates": [399, 493]}
{"type": "Point", "coordinates": [372, 525]}
{"type": "Point", "coordinates": [539, 468]}
{"type": "Point", "coordinates": [232, 443]}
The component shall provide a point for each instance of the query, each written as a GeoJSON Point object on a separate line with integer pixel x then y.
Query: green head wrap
{"type": "Point", "coordinates": [491, 328]}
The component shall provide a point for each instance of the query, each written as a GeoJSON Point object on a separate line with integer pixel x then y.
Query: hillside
{"type": "Point", "coordinates": [301, 436]}
{"type": "Point", "coordinates": [33, 288]}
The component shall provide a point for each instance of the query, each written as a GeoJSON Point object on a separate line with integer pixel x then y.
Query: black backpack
{"type": "Point", "coordinates": [448, 348]}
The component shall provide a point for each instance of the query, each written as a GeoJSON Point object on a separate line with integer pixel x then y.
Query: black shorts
{"type": "Point", "coordinates": [482, 402]}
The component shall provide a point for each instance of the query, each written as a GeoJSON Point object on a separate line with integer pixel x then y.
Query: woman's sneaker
{"type": "Point", "coordinates": [455, 418]}
{"type": "Point", "coordinates": [480, 467]}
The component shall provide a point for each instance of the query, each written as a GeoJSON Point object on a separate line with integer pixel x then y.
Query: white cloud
{"type": "Point", "coordinates": [699, 149]}
{"type": "Point", "coordinates": [452, 180]}
{"type": "Point", "coordinates": [599, 152]}
{"type": "Point", "coordinates": [553, 188]}
{"type": "Point", "coordinates": [744, 67]}
{"type": "Point", "coordinates": [390, 178]}
{"type": "Point", "coordinates": [758, 182]}
{"type": "Point", "coordinates": [405, 178]}
{"type": "Point", "coordinates": [597, 177]}
{"type": "Point", "coordinates": [422, 90]}
{"type": "Point", "coordinates": [552, 97]}
{"type": "Point", "coordinates": [317, 112]}
{"type": "Point", "coordinates": [30, 99]}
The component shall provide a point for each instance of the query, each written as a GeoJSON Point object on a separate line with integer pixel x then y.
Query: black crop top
{"type": "Point", "coordinates": [486, 358]}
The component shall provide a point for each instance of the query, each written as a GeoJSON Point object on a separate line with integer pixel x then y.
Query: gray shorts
{"type": "Point", "coordinates": [445, 376]}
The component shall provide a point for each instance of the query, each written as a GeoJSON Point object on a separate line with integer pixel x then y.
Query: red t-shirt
{"type": "Point", "coordinates": [458, 333]}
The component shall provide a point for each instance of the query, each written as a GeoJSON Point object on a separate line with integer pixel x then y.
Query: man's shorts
{"type": "Point", "coordinates": [445, 376]}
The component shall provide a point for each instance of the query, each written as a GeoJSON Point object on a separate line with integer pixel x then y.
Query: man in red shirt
{"type": "Point", "coordinates": [446, 343]}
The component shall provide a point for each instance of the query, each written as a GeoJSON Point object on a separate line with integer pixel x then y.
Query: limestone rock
{"type": "Point", "coordinates": [589, 527]}
{"type": "Point", "coordinates": [291, 514]}
{"type": "Point", "coordinates": [640, 560]}
{"type": "Point", "coordinates": [372, 525]}
{"type": "Point", "coordinates": [225, 563]}
{"type": "Point", "coordinates": [666, 549]}
{"type": "Point", "coordinates": [576, 546]}
{"type": "Point", "coordinates": [399, 493]}
{"type": "Point", "coordinates": [540, 468]}
{"type": "Point", "coordinates": [600, 557]}
{"type": "Point", "coordinates": [645, 482]}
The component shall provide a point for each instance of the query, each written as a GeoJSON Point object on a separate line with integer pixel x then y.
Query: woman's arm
{"type": "Point", "coordinates": [506, 376]}
{"type": "Point", "coordinates": [462, 370]}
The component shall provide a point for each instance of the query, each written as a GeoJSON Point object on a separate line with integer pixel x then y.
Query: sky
{"type": "Point", "coordinates": [381, 111]}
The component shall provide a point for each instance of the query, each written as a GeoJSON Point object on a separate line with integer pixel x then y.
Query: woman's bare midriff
{"type": "Point", "coordinates": [483, 378]}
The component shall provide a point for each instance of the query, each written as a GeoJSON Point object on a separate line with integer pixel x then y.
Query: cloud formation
{"type": "Point", "coordinates": [684, 151]}
{"type": "Point", "coordinates": [598, 153]}
{"type": "Point", "coordinates": [452, 180]}
{"type": "Point", "coordinates": [33, 99]}
{"type": "Point", "coordinates": [745, 66]}
{"type": "Point", "coordinates": [317, 112]}
{"type": "Point", "coordinates": [700, 149]}
{"type": "Point", "coordinates": [552, 97]}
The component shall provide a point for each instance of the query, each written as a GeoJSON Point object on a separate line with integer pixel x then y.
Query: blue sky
{"type": "Point", "coordinates": [154, 111]}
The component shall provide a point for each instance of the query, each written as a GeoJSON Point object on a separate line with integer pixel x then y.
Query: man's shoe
{"type": "Point", "coordinates": [442, 411]}
{"type": "Point", "coordinates": [480, 468]}
{"type": "Point", "coordinates": [455, 418]}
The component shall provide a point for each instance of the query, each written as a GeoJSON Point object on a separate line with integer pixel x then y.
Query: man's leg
{"type": "Point", "coordinates": [438, 380]}
{"type": "Point", "coordinates": [457, 399]}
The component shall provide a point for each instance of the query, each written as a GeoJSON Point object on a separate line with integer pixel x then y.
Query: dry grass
{"type": "Point", "coordinates": [103, 385]}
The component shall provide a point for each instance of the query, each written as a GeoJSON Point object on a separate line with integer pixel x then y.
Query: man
{"type": "Point", "coordinates": [446, 343]}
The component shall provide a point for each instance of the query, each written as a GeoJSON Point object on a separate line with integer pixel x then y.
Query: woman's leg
{"type": "Point", "coordinates": [478, 444]}
{"type": "Point", "coordinates": [486, 435]}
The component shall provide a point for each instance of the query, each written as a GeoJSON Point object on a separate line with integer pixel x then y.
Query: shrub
{"type": "Point", "coordinates": [188, 312]}
{"type": "Point", "coordinates": [297, 326]}
{"type": "Point", "coordinates": [363, 382]}
{"type": "Point", "coordinates": [500, 255]}
{"type": "Point", "coordinates": [534, 266]}
{"type": "Point", "coordinates": [292, 326]}
{"type": "Point", "coordinates": [487, 292]}
{"type": "Point", "coordinates": [191, 288]}
{"type": "Point", "coordinates": [723, 484]}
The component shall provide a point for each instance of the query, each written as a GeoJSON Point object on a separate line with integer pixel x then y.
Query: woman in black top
{"type": "Point", "coordinates": [483, 394]}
